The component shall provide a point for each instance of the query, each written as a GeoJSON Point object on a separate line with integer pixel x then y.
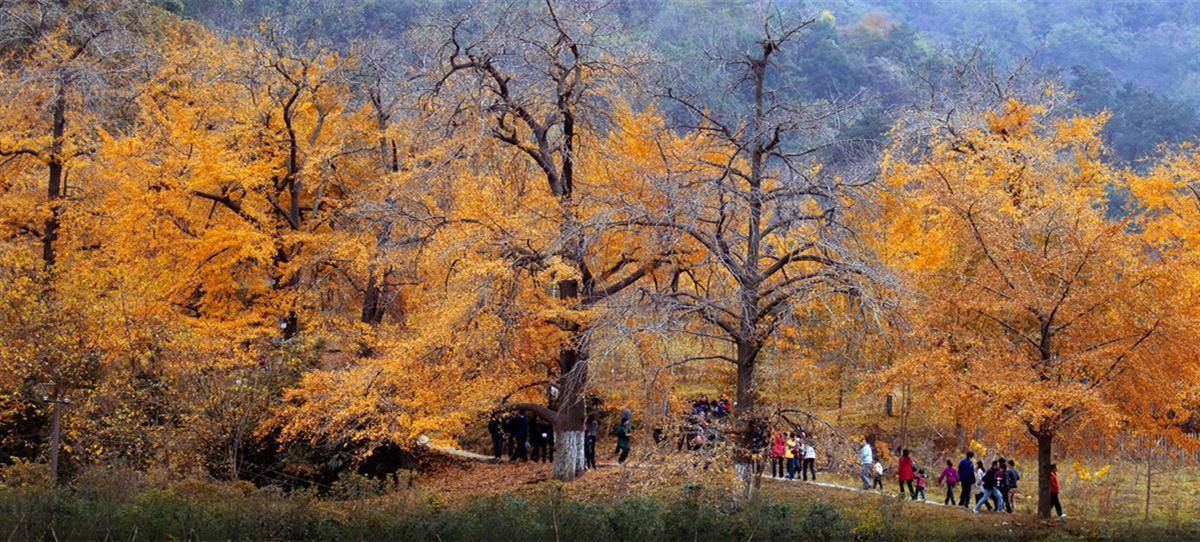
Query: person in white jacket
{"type": "Point", "coordinates": [808, 463]}
{"type": "Point", "coordinates": [979, 492]}
{"type": "Point", "coordinates": [866, 459]}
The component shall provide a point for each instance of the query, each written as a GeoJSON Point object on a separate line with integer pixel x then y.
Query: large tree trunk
{"type": "Point", "coordinates": [1044, 441]}
{"type": "Point", "coordinates": [746, 414]}
{"type": "Point", "coordinates": [570, 421]}
{"type": "Point", "coordinates": [571, 413]}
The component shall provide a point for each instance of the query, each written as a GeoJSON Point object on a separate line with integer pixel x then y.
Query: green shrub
{"type": "Point", "coordinates": [352, 485]}
{"type": "Point", "coordinates": [761, 519]}
{"type": "Point", "coordinates": [569, 519]}
{"type": "Point", "coordinates": [494, 517]}
{"type": "Point", "coordinates": [697, 516]}
{"type": "Point", "coordinates": [822, 521]}
{"type": "Point", "coordinates": [635, 519]}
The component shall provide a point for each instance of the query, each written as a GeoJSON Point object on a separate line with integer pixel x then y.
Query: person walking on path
{"type": "Point", "coordinates": [777, 452]}
{"type": "Point", "coordinates": [878, 482]}
{"type": "Point", "coordinates": [623, 430]}
{"type": "Point", "coordinates": [1054, 502]}
{"type": "Point", "coordinates": [1002, 485]}
{"type": "Point", "coordinates": [496, 429]}
{"type": "Point", "coordinates": [949, 476]}
{"type": "Point", "coordinates": [589, 443]}
{"type": "Point", "coordinates": [990, 483]}
{"type": "Point", "coordinates": [809, 461]}
{"type": "Point", "coordinates": [865, 460]}
{"type": "Point", "coordinates": [979, 483]}
{"type": "Point", "coordinates": [920, 484]}
{"type": "Point", "coordinates": [966, 477]}
{"type": "Point", "coordinates": [1011, 477]}
{"type": "Point", "coordinates": [904, 473]}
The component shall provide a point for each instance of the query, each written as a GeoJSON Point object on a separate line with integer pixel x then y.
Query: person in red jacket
{"type": "Point", "coordinates": [777, 448]}
{"type": "Point", "coordinates": [905, 473]}
{"type": "Point", "coordinates": [1054, 490]}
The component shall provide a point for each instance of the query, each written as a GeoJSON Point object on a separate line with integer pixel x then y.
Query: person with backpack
{"type": "Point", "coordinates": [1054, 502]}
{"type": "Point", "coordinates": [966, 477]}
{"type": "Point", "coordinates": [990, 485]}
{"type": "Point", "coordinates": [949, 476]}
{"type": "Point", "coordinates": [1011, 477]}
{"type": "Point", "coordinates": [1002, 484]}
{"type": "Point", "coordinates": [905, 474]}
{"type": "Point", "coordinates": [808, 460]}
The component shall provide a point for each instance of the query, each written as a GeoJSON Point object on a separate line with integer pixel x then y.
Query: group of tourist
{"type": "Point", "coordinates": [524, 436]}
{"type": "Point", "coordinates": [994, 488]}
{"type": "Point", "coordinates": [703, 420]}
{"type": "Point", "coordinates": [527, 437]}
{"type": "Point", "coordinates": [530, 438]}
{"type": "Point", "coordinates": [791, 452]}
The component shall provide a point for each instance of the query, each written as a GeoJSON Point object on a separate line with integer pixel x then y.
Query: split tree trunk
{"type": "Point", "coordinates": [571, 413]}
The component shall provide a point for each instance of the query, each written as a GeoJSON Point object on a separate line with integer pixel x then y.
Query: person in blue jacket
{"type": "Point", "coordinates": [966, 477]}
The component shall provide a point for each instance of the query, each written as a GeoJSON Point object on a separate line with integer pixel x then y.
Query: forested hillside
{"type": "Point", "coordinates": [1131, 58]}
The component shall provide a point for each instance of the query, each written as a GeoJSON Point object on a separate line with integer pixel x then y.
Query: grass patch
{"type": "Point", "coordinates": [120, 507]}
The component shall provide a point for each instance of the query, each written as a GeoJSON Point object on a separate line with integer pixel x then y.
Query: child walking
{"type": "Point", "coordinates": [949, 476]}
{"type": "Point", "coordinates": [878, 483]}
{"type": "Point", "coordinates": [920, 484]}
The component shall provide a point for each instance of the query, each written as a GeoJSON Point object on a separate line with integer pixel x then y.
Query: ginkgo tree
{"type": "Point", "coordinates": [1032, 293]}
{"type": "Point", "coordinates": [758, 217]}
{"type": "Point", "coordinates": [542, 81]}
{"type": "Point", "coordinates": [65, 68]}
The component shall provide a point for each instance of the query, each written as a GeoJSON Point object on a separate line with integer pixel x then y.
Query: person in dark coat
{"type": "Point", "coordinates": [1011, 477]}
{"type": "Point", "coordinates": [520, 437]}
{"type": "Point", "coordinates": [623, 430]}
{"type": "Point", "coordinates": [537, 440]}
{"type": "Point", "coordinates": [496, 430]}
{"type": "Point", "coordinates": [966, 477]}
{"type": "Point", "coordinates": [589, 443]}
